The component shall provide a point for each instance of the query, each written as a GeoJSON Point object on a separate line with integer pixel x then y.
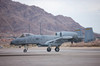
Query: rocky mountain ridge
{"type": "Point", "coordinates": [20, 18]}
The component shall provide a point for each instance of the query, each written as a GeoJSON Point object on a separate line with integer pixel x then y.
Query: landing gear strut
{"type": "Point", "coordinates": [57, 49]}
{"type": "Point", "coordinates": [26, 48]}
{"type": "Point", "coordinates": [71, 42]}
{"type": "Point", "coordinates": [48, 49]}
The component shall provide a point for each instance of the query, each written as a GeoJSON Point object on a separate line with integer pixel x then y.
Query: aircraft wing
{"type": "Point", "coordinates": [60, 39]}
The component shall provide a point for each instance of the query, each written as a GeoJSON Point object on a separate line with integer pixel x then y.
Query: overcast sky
{"type": "Point", "coordinates": [85, 12]}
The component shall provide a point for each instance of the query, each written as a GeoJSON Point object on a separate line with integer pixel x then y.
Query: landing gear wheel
{"type": "Point", "coordinates": [24, 50]}
{"type": "Point", "coordinates": [57, 49]}
{"type": "Point", "coordinates": [48, 49]}
{"type": "Point", "coordinates": [19, 46]}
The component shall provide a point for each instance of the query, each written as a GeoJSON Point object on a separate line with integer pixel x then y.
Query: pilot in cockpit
{"type": "Point", "coordinates": [26, 34]}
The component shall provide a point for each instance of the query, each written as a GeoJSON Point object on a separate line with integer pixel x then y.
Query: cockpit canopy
{"type": "Point", "coordinates": [26, 34]}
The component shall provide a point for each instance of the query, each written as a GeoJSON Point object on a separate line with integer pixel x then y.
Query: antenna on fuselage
{"type": "Point", "coordinates": [29, 27]}
{"type": "Point", "coordinates": [40, 29]}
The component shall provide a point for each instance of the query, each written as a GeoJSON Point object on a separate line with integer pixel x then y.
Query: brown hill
{"type": "Point", "coordinates": [18, 18]}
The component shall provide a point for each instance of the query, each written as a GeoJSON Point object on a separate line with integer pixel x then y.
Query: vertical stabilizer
{"type": "Point", "coordinates": [89, 35]}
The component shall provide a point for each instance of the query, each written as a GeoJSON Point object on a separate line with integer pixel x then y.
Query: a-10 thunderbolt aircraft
{"type": "Point", "coordinates": [53, 40]}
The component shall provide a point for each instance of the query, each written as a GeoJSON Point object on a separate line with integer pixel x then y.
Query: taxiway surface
{"type": "Point", "coordinates": [40, 57]}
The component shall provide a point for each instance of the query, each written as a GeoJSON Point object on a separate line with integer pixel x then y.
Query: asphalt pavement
{"type": "Point", "coordinates": [40, 57]}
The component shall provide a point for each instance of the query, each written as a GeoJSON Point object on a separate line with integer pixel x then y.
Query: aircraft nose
{"type": "Point", "coordinates": [11, 43]}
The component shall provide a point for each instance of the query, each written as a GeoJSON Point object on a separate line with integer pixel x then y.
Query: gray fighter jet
{"type": "Point", "coordinates": [53, 40]}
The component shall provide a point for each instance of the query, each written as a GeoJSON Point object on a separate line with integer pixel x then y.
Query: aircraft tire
{"type": "Point", "coordinates": [48, 49]}
{"type": "Point", "coordinates": [24, 50]}
{"type": "Point", "coordinates": [57, 49]}
{"type": "Point", "coordinates": [19, 46]}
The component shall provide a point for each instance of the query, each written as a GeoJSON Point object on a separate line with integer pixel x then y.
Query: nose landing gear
{"type": "Point", "coordinates": [26, 48]}
{"type": "Point", "coordinates": [48, 49]}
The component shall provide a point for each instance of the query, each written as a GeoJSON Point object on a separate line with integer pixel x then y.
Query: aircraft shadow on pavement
{"type": "Point", "coordinates": [6, 55]}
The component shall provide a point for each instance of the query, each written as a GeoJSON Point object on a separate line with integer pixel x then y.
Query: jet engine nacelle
{"type": "Point", "coordinates": [66, 33]}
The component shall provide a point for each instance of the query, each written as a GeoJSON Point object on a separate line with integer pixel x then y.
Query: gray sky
{"type": "Point", "coordinates": [85, 12]}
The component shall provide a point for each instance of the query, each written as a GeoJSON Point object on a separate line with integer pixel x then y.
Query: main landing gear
{"type": "Point", "coordinates": [56, 49]}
